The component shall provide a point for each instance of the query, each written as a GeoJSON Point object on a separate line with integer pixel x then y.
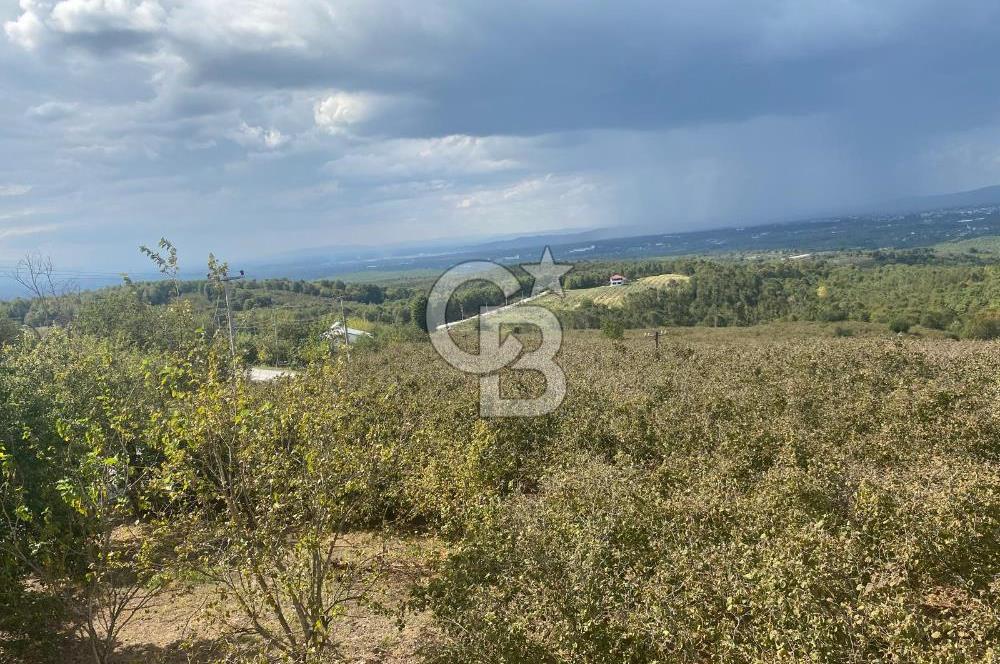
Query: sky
{"type": "Point", "coordinates": [252, 128]}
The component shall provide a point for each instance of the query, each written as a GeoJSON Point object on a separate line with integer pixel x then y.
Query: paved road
{"type": "Point", "coordinates": [491, 312]}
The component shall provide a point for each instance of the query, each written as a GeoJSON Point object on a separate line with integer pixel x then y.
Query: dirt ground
{"type": "Point", "coordinates": [177, 629]}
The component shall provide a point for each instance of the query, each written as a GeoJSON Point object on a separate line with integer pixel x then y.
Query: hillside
{"type": "Point", "coordinates": [758, 491]}
{"type": "Point", "coordinates": [778, 450]}
{"type": "Point", "coordinates": [614, 296]}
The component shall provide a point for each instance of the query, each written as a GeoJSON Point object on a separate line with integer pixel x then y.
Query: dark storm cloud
{"type": "Point", "coordinates": [543, 67]}
{"type": "Point", "coordinates": [360, 115]}
{"type": "Point", "coordinates": [529, 67]}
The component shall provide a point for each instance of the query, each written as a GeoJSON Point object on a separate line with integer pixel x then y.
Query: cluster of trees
{"type": "Point", "coordinates": [61, 304]}
{"type": "Point", "coordinates": [331, 289]}
{"type": "Point", "coordinates": [961, 299]}
{"type": "Point", "coordinates": [160, 292]}
{"type": "Point", "coordinates": [281, 321]}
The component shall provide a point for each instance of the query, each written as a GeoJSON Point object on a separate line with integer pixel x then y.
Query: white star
{"type": "Point", "coordinates": [547, 274]}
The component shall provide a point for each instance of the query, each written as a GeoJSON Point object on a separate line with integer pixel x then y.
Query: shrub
{"type": "Point", "coordinates": [899, 325]}
{"type": "Point", "coordinates": [73, 467]}
{"type": "Point", "coordinates": [832, 315]}
{"type": "Point", "coordinates": [260, 490]}
{"type": "Point", "coordinates": [736, 497]}
{"type": "Point", "coordinates": [937, 319]}
{"type": "Point", "coordinates": [613, 329]}
{"type": "Point", "coordinates": [608, 563]}
{"type": "Point", "coordinates": [780, 501]}
{"type": "Point", "coordinates": [9, 331]}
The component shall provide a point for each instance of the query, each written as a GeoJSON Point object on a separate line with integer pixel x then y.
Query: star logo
{"type": "Point", "coordinates": [547, 274]}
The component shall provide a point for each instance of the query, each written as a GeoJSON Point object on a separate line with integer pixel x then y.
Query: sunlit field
{"type": "Point", "coordinates": [613, 296]}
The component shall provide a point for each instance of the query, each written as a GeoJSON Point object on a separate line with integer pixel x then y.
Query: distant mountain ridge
{"type": "Point", "coordinates": [317, 259]}
{"type": "Point", "coordinates": [984, 196]}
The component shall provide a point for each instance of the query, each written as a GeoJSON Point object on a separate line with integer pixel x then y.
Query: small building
{"type": "Point", "coordinates": [337, 333]}
{"type": "Point", "coordinates": [617, 280]}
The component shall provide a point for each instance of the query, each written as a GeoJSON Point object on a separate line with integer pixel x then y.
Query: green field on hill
{"type": "Point", "coordinates": [989, 244]}
{"type": "Point", "coordinates": [614, 296]}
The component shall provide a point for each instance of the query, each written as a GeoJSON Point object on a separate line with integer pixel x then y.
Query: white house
{"type": "Point", "coordinates": [336, 333]}
{"type": "Point", "coordinates": [617, 280]}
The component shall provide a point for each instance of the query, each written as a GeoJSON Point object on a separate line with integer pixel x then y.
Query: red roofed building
{"type": "Point", "coordinates": [617, 280]}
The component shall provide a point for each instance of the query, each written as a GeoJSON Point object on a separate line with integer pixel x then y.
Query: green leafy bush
{"type": "Point", "coordinates": [613, 329]}
{"type": "Point", "coordinates": [787, 501]}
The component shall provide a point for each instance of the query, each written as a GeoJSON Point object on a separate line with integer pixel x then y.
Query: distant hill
{"type": "Point", "coordinates": [984, 196]}
{"type": "Point", "coordinates": [945, 219]}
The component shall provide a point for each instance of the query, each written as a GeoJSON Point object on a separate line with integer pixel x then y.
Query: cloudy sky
{"type": "Point", "coordinates": [255, 127]}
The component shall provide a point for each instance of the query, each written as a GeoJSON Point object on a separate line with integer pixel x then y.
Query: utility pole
{"type": "Point", "coordinates": [274, 322]}
{"type": "Point", "coordinates": [347, 335]}
{"type": "Point", "coordinates": [229, 312]}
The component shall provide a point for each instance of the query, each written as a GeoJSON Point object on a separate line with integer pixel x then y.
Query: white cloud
{"type": "Point", "coordinates": [456, 155]}
{"type": "Point", "coordinates": [14, 189]}
{"type": "Point", "coordinates": [549, 189]}
{"type": "Point", "coordinates": [52, 110]}
{"type": "Point", "coordinates": [452, 113]}
{"type": "Point", "coordinates": [94, 16]}
{"type": "Point", "coordinates": [20, 231]}
{"type": "Point", "coordinates": [42, 19]}
{"type": "Point", "coordinates": [28, 30]}
{"type": "Point", "coordinates": [337, 112]}
{"type": "Point", "coordinates": [259, 137]}
{"type": "Point", "coordinates": [250, 25]}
